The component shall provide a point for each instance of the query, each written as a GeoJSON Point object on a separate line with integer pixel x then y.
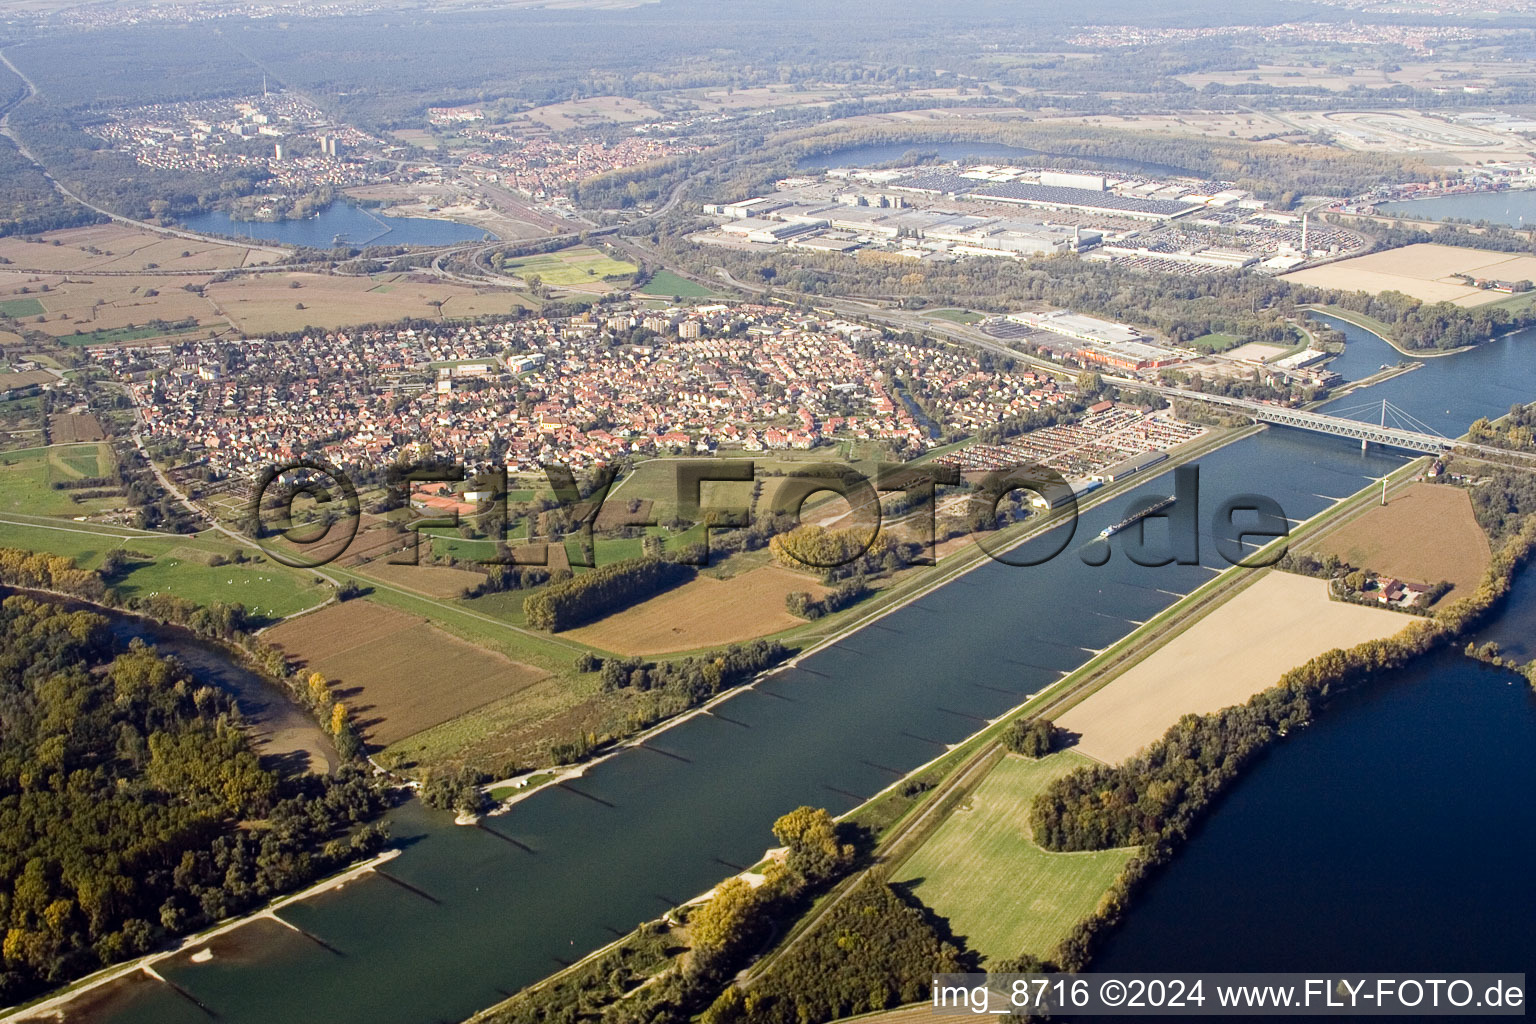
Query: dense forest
{"type": "Point", "coordinates": [1487, 236]}
{"type": "Point", "coordinates": [1516, 432]}
{"type": "Point", "coordinates": [1415, 324]}
{"type": "Point", "coordinates": [41, 571]}
{"type": "Point", "coordinates": [131, 806]}
{"type": "Point", "coordinates": [28, 201]}
{"type": "Point", "coordinates": [1503, 501]}
{"type": "Point", "coordinates": [840, 554]}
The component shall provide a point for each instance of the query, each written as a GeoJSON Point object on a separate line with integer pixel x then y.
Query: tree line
{"type": "Point", "coordinates": [657, 690]}
{"type": "Point", "coordinates": [1517, 431]}
{"type": "Point", "coordinates": [1416, 324]}
{"type": "Point", "coordinates": [854, 551]}
{"type": "Point", "coordinates": [695, 678]}
{"type": "Point", "coordinates": [873, 950]}
{"type": "Point", "coordinates": [599, 591]}
{"type": "Point", "coordinates": [849, 592]}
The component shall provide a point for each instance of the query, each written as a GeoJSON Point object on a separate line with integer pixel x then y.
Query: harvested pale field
{"type": "Point", "coordinates": [89, 304]}
{"type": "Point", "coordinates": [396, 673]}
{"type": "Point", "coordinates": [613, 514]}
{"type": "Point", "coordinates": [703, 612]}
{"type": "Point", "coordinates": [1424, 534]}
{"type": "Point", "coordinates": [1256, 351]}
{"type": "Point", "coordinates": [983, 872]}
{"type": "Point", "coordinates": [268, 302]}
{"type": "Point", "coordinates": [595, 110]}
{"type": "Point", "coordinates": [438, 581]}
{"type": "Point", "coordinates": [25, 379]}
{"type": "Point", "coordinates": [1241, 648]}
{"type": "Point", "coordinates": [371, 543]}
{"type": "Point", "coordinates": [1424, 271]}
{"type": "Point", "coordinates": [123, 248]}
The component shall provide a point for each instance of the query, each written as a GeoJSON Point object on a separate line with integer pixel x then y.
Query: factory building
{"type": "Point", "coordinates": [1076, 325]}
{"type": "Point", "coordinates": [1129, 467]}
{"type": "Point", "coordinates": [769, 231]}
{"type": "Point", "coordinates": [1061, 179]}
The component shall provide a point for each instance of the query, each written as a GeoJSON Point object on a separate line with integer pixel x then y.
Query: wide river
{"type": "Point", "coordinates": [572, 867]}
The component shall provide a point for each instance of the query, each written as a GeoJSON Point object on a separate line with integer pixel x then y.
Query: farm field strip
{"type": "Point", "coordinates": [982, 870]}
{"type": "Point", "coordinates": [396, 672]}
{"type": "Point", "coordinates": [1237, 650]}
{"type": "Point", "coordinates": [1426, 271]}
{"type": "Point", "coordinates": [1425, 533]}
{"type": "Point", "coordinates": [703, 612]}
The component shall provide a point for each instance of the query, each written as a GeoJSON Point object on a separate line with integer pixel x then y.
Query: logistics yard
{"type": "Point", "coordinates": [1079, 450]}
{"type": "Point", "coordinates": [1241, 648]}
{"type": "Point", "coordinates": [1433, 273]}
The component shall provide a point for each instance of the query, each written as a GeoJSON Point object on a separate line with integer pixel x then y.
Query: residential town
{"type": "Point", "coordinates": [297, 146]}
{"type": "Point", "coordinates": [587, 389]}
{"type": "Point", "coordinates": [542, 166]}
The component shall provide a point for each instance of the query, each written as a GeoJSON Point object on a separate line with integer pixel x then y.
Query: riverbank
{"type": "Point", "coordinates": [54, 1005]}
{"type": "Point", "coordinates": [279, 728]}
{"type": "Point", "coordinates": [342, 223]}
{"type": "Point", "coordinates": [1075, 952]}
{"type": "Point", "coordinates": [1379, 329]}
{"type": "Point", "coordinates": [1107, 665]}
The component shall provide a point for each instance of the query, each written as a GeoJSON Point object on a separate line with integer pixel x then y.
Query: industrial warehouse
{"type": "Point", "coordinates": [941, 214]}
{"type": "Point", "coordinates": [1094, 342]}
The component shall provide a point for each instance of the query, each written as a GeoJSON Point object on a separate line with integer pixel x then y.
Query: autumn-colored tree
{"type": "Point", "coordinates": [810, 835]}
{"type": "Point", "coordinates": [720, 925]}
{"type": "Point", "coordinates": [319, 691]}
